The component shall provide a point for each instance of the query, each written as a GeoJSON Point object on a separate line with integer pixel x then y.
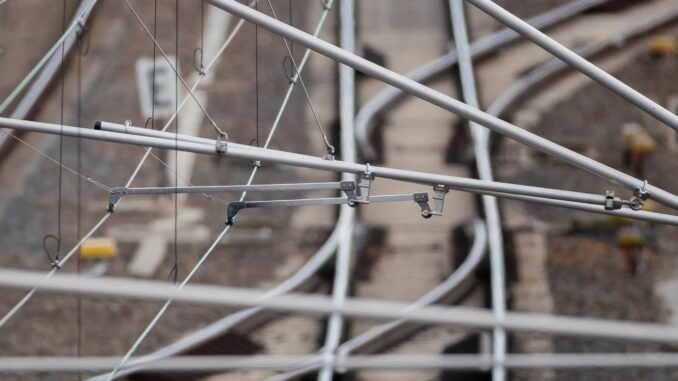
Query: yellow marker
{"type": "Point", "coordinates": [99, 248]}
{"type": "Point", "coordinates": [663, 45]}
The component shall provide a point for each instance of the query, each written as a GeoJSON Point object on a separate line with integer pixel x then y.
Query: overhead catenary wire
{"type": "Point", "coordinates": [264, 154]}
{"type": "Point", "coordinates": [310, 267]}
{"type": "Point", "coordinates": [329, 147]}
{"type": "Point", "coordinates": [22, 302]}
{"type": "Point", "coordinates": [176, 72]}
{"type": "Point", "coordinates": [389, 96]}
{"type": "Point", "coordinates": [447, 102]}
{"type": "Point", "coordinates": [576, 61]}
{"type": "Point", "coordinates": [203, 258]}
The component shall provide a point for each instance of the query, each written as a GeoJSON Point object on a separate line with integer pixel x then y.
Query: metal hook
{"type": "Point", "coordinates": [150, 119]}
{"type": "Point", "coordinates": [82, 34]}
{"type": "Point", "coordinates": [198, 61]}
{"type": "Point", "coordinates": [289, 69]}
{"type": "Point", "coordinates": [53, 261]}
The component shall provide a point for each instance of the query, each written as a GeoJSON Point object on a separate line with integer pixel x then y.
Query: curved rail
{"type": "Point", "coordinates": [439, 294]}
{"type": "Point", "coordinates": [391, 96]}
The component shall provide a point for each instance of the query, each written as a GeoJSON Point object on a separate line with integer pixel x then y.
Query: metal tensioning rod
{"type": "Point", "coordinates": [441, 100]}
{"type": "Point", "coordinates": [246, 152]}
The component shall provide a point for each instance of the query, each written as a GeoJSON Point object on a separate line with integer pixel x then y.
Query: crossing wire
{"type": "Point", "coordinates": [110, 376]}
{"type": "Point", "coordinates": [22, 302]}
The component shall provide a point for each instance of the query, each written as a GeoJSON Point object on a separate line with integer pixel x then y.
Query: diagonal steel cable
{"type": "Point", "coordinates": [103, 219]}
{"type": "Point", "coordinates": [223, 232]}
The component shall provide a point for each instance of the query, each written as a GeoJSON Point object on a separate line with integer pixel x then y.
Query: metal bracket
{"type": "Point", "coordinates": [422, 200]}
{"type": "Point", "coordinates": [439, 199]}
{"type": "Point", "coordinates": [639, 196]}
{"type": "Point", "coordinates": [349, 188]}
{"type": "Point", "coordinates": [233, 209]}
{"type": "Point", "coordinates": [612, 202]}
{"type": "Point", "coordinates": [364, 186]}
{"type": "Point", "coordinates": [115, 196]}
{"type": "Point", "coordinates": [222, 144]}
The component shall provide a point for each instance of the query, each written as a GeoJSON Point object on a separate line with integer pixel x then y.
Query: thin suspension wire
{"type": "Point", "coordinates": [78, 300]}
{"type": "Point", "coordinates": [38, 66]}
{"type": "Point", "coordinates": [176, 72]}
{"type": "Point", "coordinates": [329, 147]}
{"type": "Point", "coordinates": [17, 307]}
{"type": "Point", "coordinates": [253, 173]}
{"type": "Point", "coordinates": [61, 137]}
{"type": "Point", "coordinates": [256, 76]}
{"type": "Point", "coordinates": [175, 268]}
{"type": "Point", "coordinates": [155, 36]}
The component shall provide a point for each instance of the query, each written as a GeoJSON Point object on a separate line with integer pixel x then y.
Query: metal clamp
{"type": "Point", "coordinates": [349, 188]}
{"type": "Point", "coordinates": [364, 185]}
{"type": "Point", "coordinates": [233, 209]}
{"type": "Point", "coordinates": [422, 200]}
{"type": "Point", "coordinates": [612, 202]}
{"type": "Point", "coordinates": [115, 196]}
{"type": "Point", "coordinates": [439, 199]}
{"type": "Point", "coordinates": [639, 196]}
{"type": "Point", "coordinates": [222, 144]}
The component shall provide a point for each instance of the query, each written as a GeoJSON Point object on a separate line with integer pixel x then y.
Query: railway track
{"type": "Point", "coordinates": [422, 258]}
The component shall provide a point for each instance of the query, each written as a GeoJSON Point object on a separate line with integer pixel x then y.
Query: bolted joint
{"type": "Point", "coordinates": [349, 188]}
{"type": "Point", "coordinates": [232, 211]}
{"type": "Point", "coordinates": [222, 144]}
{"type": "Point", "coordinates": [421, 199]}
{"type": "Point", "coordinates": [639, 196]}
{"type": "Point", "coordinates": [115, 196]}
{"type": "Point", "coordinates": [612, 202]}
{"type": "Point", "coordinates": [439, 198]}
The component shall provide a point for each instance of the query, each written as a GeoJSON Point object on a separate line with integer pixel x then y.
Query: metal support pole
{"type": "Point", "coordinates": [443, 101]}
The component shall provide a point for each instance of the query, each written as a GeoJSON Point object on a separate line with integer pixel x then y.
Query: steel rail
{"type": "Point", "coordinates": [313, 304]}
{"type": "Point", "coordinates": [483, 163]}
{"type": "Point", "coordinates": [390, 96]}
{"type": "Point", "coordinates": [444, 101]}
{"type": "Point", "coordinates": [576, 61]}
{"type": "Point", "coordinates": [436, 295]}
{"type": "Point", "coordinates": [254, 153]}
{"type": "Point", "coordinates": [344, 261]}
{"type": "Point", "coordinates": [385, 332]}
{"type": "Point", "coordinates": [201, 363]}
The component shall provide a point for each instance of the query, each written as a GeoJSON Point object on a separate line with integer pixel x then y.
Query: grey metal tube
{"type": "Point", "coordinates": [389, 96]}
{"type": "Point", "coordinates": [71, 364]}
{"type": "Point", "coordinates": [443, 100]}
{"type": "Point", "coordinates": [254, 153]}
{"type": "Point", "coordinates": [576, 61]}
{"type": "Point", "coordinates": [466, 317]}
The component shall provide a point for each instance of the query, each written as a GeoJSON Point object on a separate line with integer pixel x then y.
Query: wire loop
{"type": "Point", "coordinates": [54, 261]}
{"type": "Point", "coordinates": [198, 61]}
